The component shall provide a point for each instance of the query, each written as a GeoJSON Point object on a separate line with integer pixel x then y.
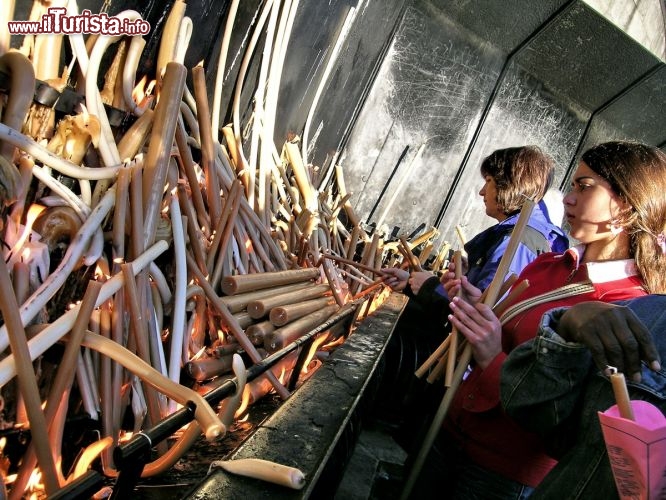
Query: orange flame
{"type": "Point", "coordinates": [376, 301]}
{"type": "Point", "coordinates": [33, 213]}
{"type": "Point", "coordinates": [102, 271]}
{"type": "Point", "coordinates": [282, 376]}
{"type": "Point", "coordinates": [125, 436]}
{"type": "Point", "coordinates": [139, 91]}
{"type": "Point", "coordinates": [313, 349]}
{"type": "Point", "coordinates": [142, 93]}
{"type": "Point", "coordinates": [198, 354]}
{"type": "Point", "coordinates": [335, 343]}
{"type": "Point", "coordinates": [35, 484]}
{"type": "Point", "coordinates": [245, 402]}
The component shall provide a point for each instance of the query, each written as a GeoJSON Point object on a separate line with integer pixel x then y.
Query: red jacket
{"type": "Point", "coordinates": [476, 421]}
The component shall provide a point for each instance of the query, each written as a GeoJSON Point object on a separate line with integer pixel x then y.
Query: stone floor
{"type": "Point", "coordinates": [375, 470]}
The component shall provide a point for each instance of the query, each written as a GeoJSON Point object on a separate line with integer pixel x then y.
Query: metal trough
{"type": "Point", "coordinates": [315, 429]}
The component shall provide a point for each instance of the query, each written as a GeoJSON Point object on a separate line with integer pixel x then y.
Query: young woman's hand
{"type": "Point", "coordinates": [452, 286]}
{"type": "Point", "coordinates": [448, 278]}
{"type": "Point", "coordinates": [417, 278]}
{"type": "Point", "coordinates": [478, 323]}
{"type": "Point", "coordinates": [395, 278]}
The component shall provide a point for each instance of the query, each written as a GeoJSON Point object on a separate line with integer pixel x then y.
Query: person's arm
{"type": "Point", "coordinates": [423, 281]}
{"type": "Point", "coordinates": [523, 256]}
{"type": "Point", "coordinates": [410, 284]}
{"type": "Point", "coordinates": [430, 293]}
{"type": "Point", "coordinates": [483, 332]}
{"type": "Point", "coordinates": [452, 287]}
{"type": "Point", "coordinates": [613, 334]}
{"type": "Point", "coordinates": [482, 389]}
{"type": "Point", "coordinates": [541, 379]}
{"type": "Point", "coordinates": [482, 276]}
{"type": "Point", "coordinates": [396, 278]}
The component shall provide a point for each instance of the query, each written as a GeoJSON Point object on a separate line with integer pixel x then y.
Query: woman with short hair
{"type": "Point", "coordinates": [509, 175]}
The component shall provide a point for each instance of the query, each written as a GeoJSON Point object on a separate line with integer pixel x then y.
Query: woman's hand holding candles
{"type": "Point", "coordinates": [417, 278]}
{"type": "Point", "coordinates": [478, 323]}
{"type": "Point", "coordinates": [398, 279]}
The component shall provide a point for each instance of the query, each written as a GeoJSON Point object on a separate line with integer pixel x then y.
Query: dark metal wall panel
{"type": "Point", "coordinates": [524, 113]}
{"type": "Point", "coordinates": [429, 92]}
{"type": "Point", "coordinates": [574, 67]}
{"type": "Point", "coordinates": [316, 29]}
{"type": "Point", "coordinates": [585, 57]}
{"type": "Point", "coordinates": [504, 24]}
{"type": "Point", "coordinates": [637, 115]}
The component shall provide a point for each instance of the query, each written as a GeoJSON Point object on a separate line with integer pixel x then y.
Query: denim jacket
{"type": "Point", "coordinates": [552, 387]}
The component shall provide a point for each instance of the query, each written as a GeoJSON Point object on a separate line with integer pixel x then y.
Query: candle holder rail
{"type": "Point", "coordinates": [131, 457]}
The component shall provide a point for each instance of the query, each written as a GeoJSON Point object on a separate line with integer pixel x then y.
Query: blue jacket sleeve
{"type": "Point", "coordinates": [482, 277]}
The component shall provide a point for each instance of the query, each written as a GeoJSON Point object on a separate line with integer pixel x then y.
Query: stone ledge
{"type": "Point", "coordinates": [305, 430]}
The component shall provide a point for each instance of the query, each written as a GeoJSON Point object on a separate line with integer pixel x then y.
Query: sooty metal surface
{"type": "Point", "coordinates": [306, 429]}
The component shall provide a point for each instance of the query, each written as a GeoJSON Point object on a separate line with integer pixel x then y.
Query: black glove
{"type": "Point", "coordinates": [614, 335]}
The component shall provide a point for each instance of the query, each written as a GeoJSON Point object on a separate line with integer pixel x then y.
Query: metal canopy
{"type": "Point", "coordinates": [504, 24]}
{"type": "Point", "coordinates": [584, 57]}
{"type": "Point", "coordinates": [638, 113]}
{"type": "Point", "coordinates": [490, 75]}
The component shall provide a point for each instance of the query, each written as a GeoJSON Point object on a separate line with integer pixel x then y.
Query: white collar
{"type": "Point", "coordinates": [604, 271]}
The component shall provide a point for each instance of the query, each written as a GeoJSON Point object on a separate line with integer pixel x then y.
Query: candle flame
{"type": "Point", "coordinates": [150, 88]}
{"type": "Point", "coordinates": [139, 91]}
{"type": "Point", "coordinates": [142, 94]}
{"type": "Point", "coordinates": [99, 272]}
{"type": "Point", "coordinates": [198, 354]}
{"type": "Point", "coordinates": [378, 300]}
{"type": "Point", "coordinates": [19, 247]}
{"type": "Point", "coordinates": [313, 349]}
{"type": "Point", "coordinates": [34, 210]}
{"type": "Point", "coordinates": [334, 343]}
{"type": "Point", "coordinates": [35, 483]}
{"type": "Point", "coordinates": [125, 436]}
{"type": "Point", "coordinates": [200, 175]}
{"type": "Point", "coordinates": [245, 402]}
{"type": "Point", "coordinates": [84, 113]}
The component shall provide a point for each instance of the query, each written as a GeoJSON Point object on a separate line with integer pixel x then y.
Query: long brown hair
{"type": "Point", "coordinates": [637, 173]}
{"type": "Point", "coordinates": [518, 172]}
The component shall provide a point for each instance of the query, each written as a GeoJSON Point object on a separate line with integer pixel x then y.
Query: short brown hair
{"type": "Point", "coordinates": [519, 172]}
